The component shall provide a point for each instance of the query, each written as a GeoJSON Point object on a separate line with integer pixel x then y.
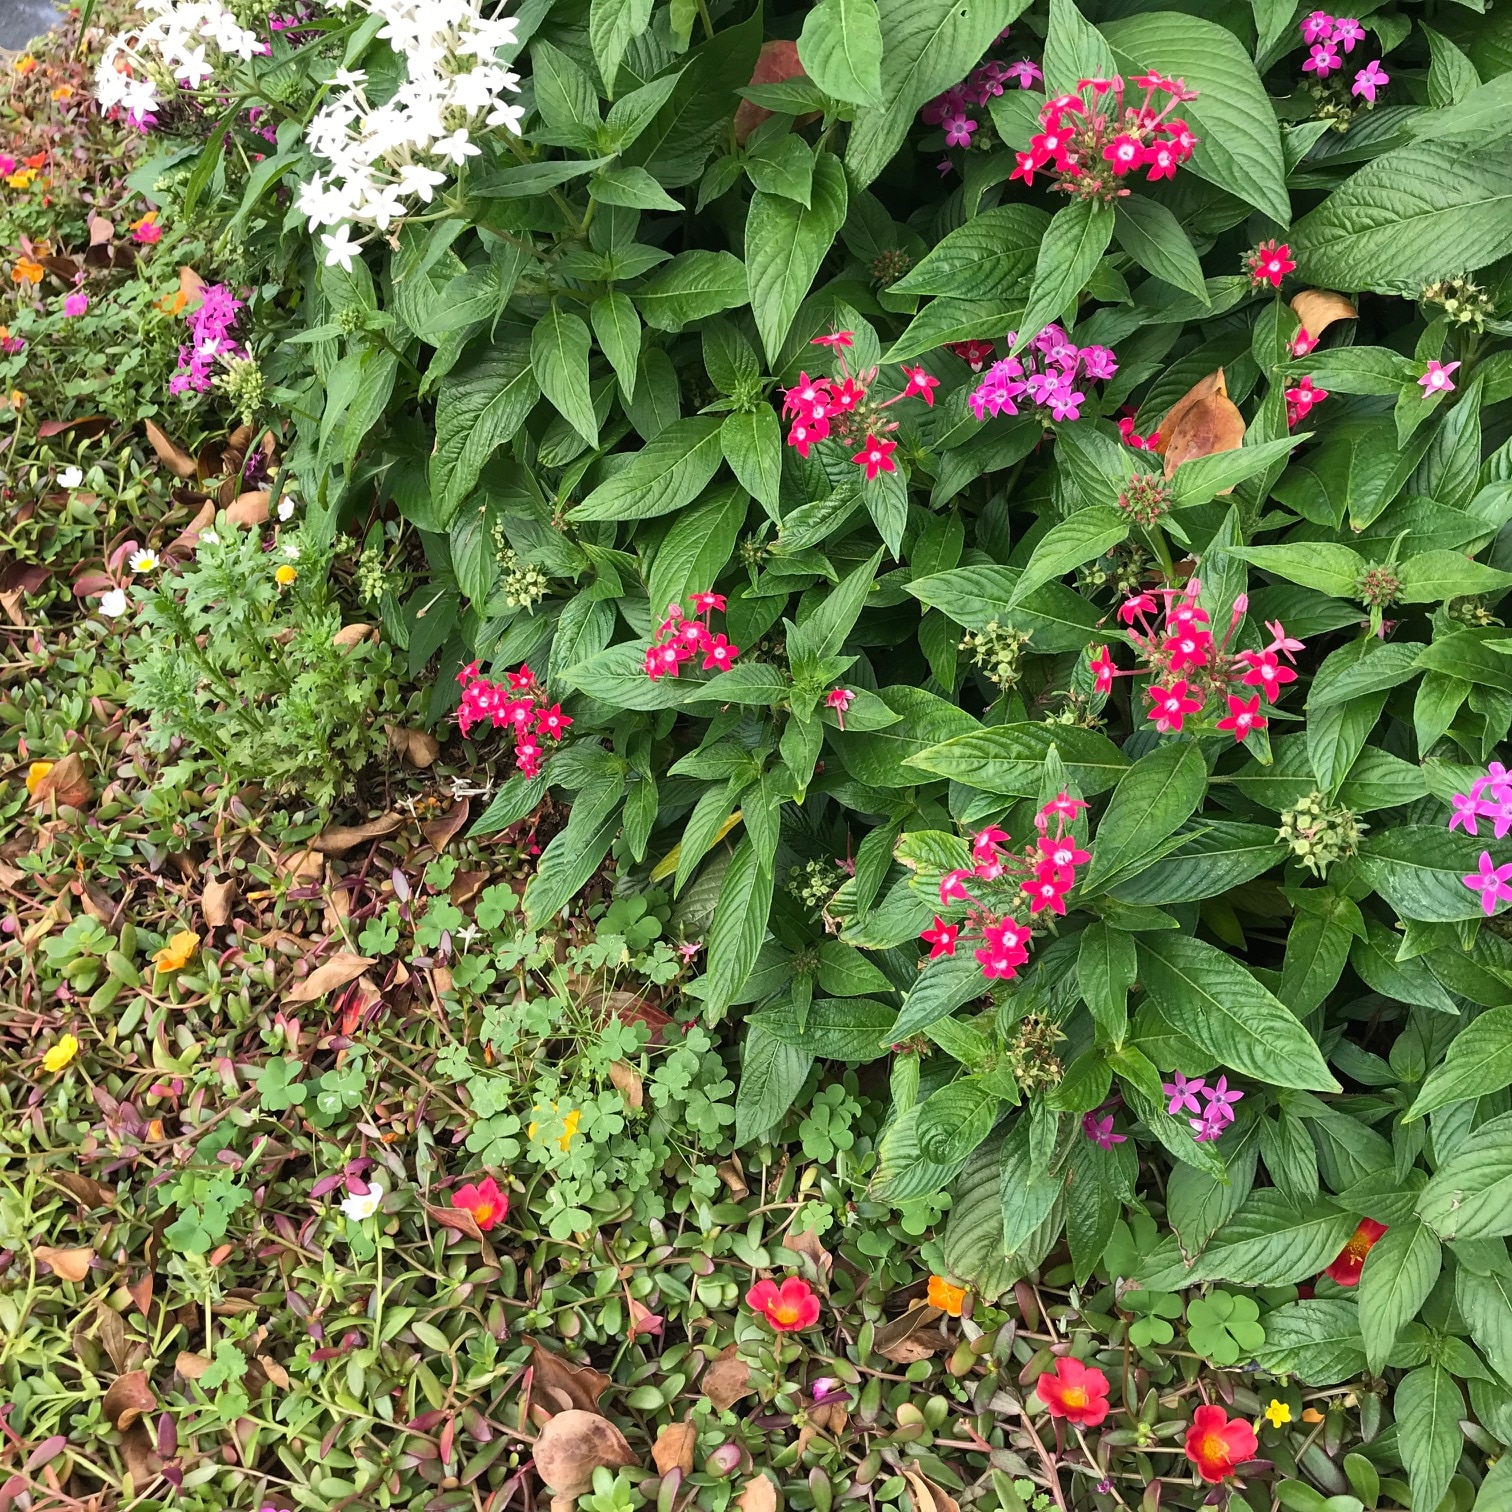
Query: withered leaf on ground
{"type": "Point", "coordinates": [337, 972]}
{"type": "Point", "coordinates": [353, 635]}
{"type": "Point", "coordinates": [85, 1189]}
{"type": "Point", "coordinates": [727, 1379]}
{"type": "Point", "coordinates": [807, 1243]}
{"type": "Point", "coordinates": [628, 1080]}
{"type": "Point", "coordinates": [454, 1218]}
{"type": "Point", "coordinates": [904, 1340]}
{"type": "Point", "coordinates": [172, 455]}
{"type": "Point", "coordinates": [414, 746]}
{"type": "Point", "coordinates": [65, 784]}
{"type": "Point", "coordinates": [65, 1264]}
{"type": "Point", "coordinates": [217, 901]}
{"type": "Point", "coordinates": [340, 838]}
{"type": "Point", "coordinates": [577, 1385]}
{"type": "Point", "coordinates": [1203, 421]}
{"type": "Point", "coordinates": [928, 1497]}
{"type": "Point", "coordinates": [674, 1447]}
{"type": "Point", "coordinates": [249, 508]}
{"type": "Point", "coordinates": [757, 1495]}
{"type": "Point", "coordinates": [441, 831]}
{"type": "Point", "coordinates": [128, 1397]}
{"type": "Point", "coordinates": [572, 1445]}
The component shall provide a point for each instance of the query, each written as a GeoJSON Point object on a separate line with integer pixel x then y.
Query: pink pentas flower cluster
{"type": "Point", "coordinates": [1094, 139]}
{"type": "Point", "coordinates": [953, 110]}
{"type": "Point", "coordinates": [1300, 401]}
{"type": "Point", "coordinates": [1033, 880]}
{"type": "Point", "coordinates": [1330, 39]}
{"type": "Point", "coordinates": [1213, 1114]}
{"type": "Point", "coordinates": [1188, 668]}
{"type": "Point", "coordinates": [210, 346]}
{"type": "Point", "coordinates": [1489, 798]}
{"type": "Point", "coordinates": [844, 408]}
{"type": "Point", "coordinates": [1047, 373]}
{"type": "Point", "coordinates": [681, 638]}
{"type": "Point", "coordinates": [518, 704]}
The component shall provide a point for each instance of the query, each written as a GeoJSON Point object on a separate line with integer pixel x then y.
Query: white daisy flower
{"type": "Point", "coordinates": [359, 1208]}
{"type": "Point", "coordinates": [144, 561]}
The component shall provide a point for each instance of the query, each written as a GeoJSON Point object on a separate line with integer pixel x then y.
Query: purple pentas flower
{"type": "Point", "coordinates": [958, 129]}
{"type": "Point", "coordinates": [1100, 1130]}
{"type": "Point", "coordinates": [1183, 1093]}
{"type": "Point", "coordinates": [1220, 1095]}
{"type": "Point", "coordinates": [1047, 373]}
{"type": "Point", "coordinates": [1211, 1125]}
{"type": "Point", "coordinates": [1369, 79]}
{"type": "Point", "coordinates": [1322, 59]}
{"type": "Point", "coordinates": [1025, 73]}
{"type": "Point", "coordinates": [1491, 883]}
{"type": "Point", "coordinates": [211, 345]}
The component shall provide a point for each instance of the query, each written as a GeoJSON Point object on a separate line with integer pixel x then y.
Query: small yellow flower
{"type": "Point", "coordinates": [946, 1297]}
{"type": "Point", "coordinates": [22, 179]}
{"type": "Point", "coordinates": [285, 575]}
{"type": "Point", "coordinates": [63, 92]}
{"type": "Point", "coordinates": [35, 773]}
{"type": "Point", "coordinates": [26, 270]}
{"type": "Point", "coordinates": [570, 1122]}
{"type": "Point", "coordinates": [1278, 1413]}
{"type": "Point", "coordinates": [25, 63]}
{"type": "Point", "coordinates": [178, 952]}
{"type": "Point", "coordinates": [17, 399]}
{"type": "Point", "coordinates": [60, 1054]}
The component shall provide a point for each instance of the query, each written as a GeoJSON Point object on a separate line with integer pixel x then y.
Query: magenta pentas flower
{"type": "Point", "coordinates": [518, 705]}
{"type": "Point", "coordinates": [1100, 1130]}
{"type": "Point", "coordinates": [682, 638]}
{"type": "Point", "coordinates": [1369, 79]}
{"type": "Point", "coordinates": [211, 347]}
{"type": "Point", "coordinates": [1436, 379]}
{"type": "Point", "coordinates": [1002, 885]}
{"type": "Point", "coordinates": [1047, 373]}
{"type": "Point", "coordinates": [1490, 797]}
{"type": "Point", "coordinates": [1491, 883]}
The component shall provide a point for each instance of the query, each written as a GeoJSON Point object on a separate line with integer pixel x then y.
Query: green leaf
{"type": "Point", "coordinates": [1153, 237]}
{"type": "Point", "coordinates": [528, 180]}
{"type": "Point", "coordinates": [612, 26]}
{"type": "Point", "coordinates": [845, 1029]}
{"type": "Point", "coordinates": [1073, 245]}
{"type": "Point", "coordinates": [480, 404]}
{"type": "Point", "coordinates": [1485, 1301]}
{"type": "Point", "coordinates": [738, 929]}
{"type": "Point", "coordinates": [956, 1119]}
{"type": "Point", "coordinates": [1074, 50]}
{"type": "Point", "coordinates": [1200, 479]}
{"type": "Point", "coordinates": [781, 165]}
{"type": "Point", "coordinates": [559, 356]}
{"type": "Point", "coordinates": [883, 758]}
{"type": "Point", "coordinates": [697, 548]}
{"type": "Point", "coordinates": [1399, 1272]}
{"type": "Point", "coordinates": [990, 257]}
{"type": "Point", "coordinates": [1470, 1195]}
{"type": "Point", "coordinates": [618, 332]}
{"type": "Point", "coordinates": [574, 854]}
{"type": "Point", "coordinates": [1209, 997]}
{"type": "Point", "coordinates": [1083, 537]}
{"type": "Point", "coordinates": [840, 48]}
{"type": "Point", "coordinates": [772, 1075]}
{"type": "Point", "coordinates": [1479, 1062]}
{"type": "Point", "coordinates": [1106, 967]}
{"type": "Point", "coordinates": [1433, 576]}
{"type": "Point", "coordinates": [1152, 800]}
{"type": "Point", "coordinates": [1321, 565]}
{"type": "Point", "coordinates": [1417, 869]}
{"type": "Point", "coordinates": [1359, 370]}
{"type": "Point", "coordinates": [1274, 1240]}
{"type": "Point", "coordinates": [1009, 759]}
{"type": "Point", "coordinates": [690, 287]}
{"type": "Point", "coordinates": [1428, 1407]}
{"type": "Point", "coordinates": [1220, 855]}
{"type": "Point", "coordinates": [631, 187]}
{"type": "Point", "coordinates": [928, 47]}
{"type": "Point", "coordinates": [669, 471]}
{"type": "Point", "coordinates": [1399, 221]}
{"type": "Point", "coordinates": [752, 445]}
{"type": "Point", "coordinates": [1317, 1340]}
{"type": "Point", "coordinates": [784, 246]}
{"type": "Point", "coordinates": [1239, 141]}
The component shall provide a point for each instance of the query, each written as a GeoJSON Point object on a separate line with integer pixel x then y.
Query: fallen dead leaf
{"type": "Point", "coordinates": [928, 1497]}
{"type": "Point", "coordinates": [776, 61]}
{"type": "Point", "coordinates": [757, 1495]}
{"type": "Point", "coordinates": [466, 886]}
{"type": "Point", "coordinates": [342, 968]}
{"type": "Point", "coordinates": [344, 837]}
{"type": "Point", "coordinates": [1203, 421]}
{"type": "Point", "coordinates": [353, 635]}
{"type": "Point", "coordinates": [441, 831]}
{"type": "Point", "coordinates": [143, 1463]}
{"type": "Point", "coordinates": [217, 901]}
{"type": "Point", "coordinates": [85, 1189]}
{"type": "Point", "coordinates": [65, 1264]}
{"type": "Point", "coordinates": [727, 1379]}
{"type": "Point", "coordinates": [249, 508]}
{"type": "Point", "coordinates": [414, 746]}
{"type": "Point", "coordinates": [1317, 309]}
{"type": "Point", "coordinates": [734, 1178]}
{"type": "Point", "coordinates": [900, 1341]}
{"type": "Point", "coordinates": [674, 1447]}
{"type": "Point", "coordinates": [807, 1243]}
{"type": "Point", "coordinates": [1213, 383]}
{"type": "Point", "coordinates": [128, 1398]}
{"type": "Point", "coordinates": [64, 784]}
{"type": "Point", "coordinates": [192, 287]}
{"type": "Point", "coordinates": [628, 1080]}
{"type": "Point", "coordinates": [571, 1446]}
{"type": "Point", "coordinates": [100, 230]}
{"type": "Point", "coordinates": [454, 1218]}
{"type": "Point", "coordinates": [190, 1365]}
{"type": "Point", "coordinates": [188, 538]}
{"type": "Point", "coordinates": [274, 1371]}
{"type": "Point", "coordinates": [170, 453]}
{"type": "Point", "coordinates": [567, 1385]}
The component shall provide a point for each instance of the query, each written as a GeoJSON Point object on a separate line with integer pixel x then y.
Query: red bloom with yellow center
{"type": "Point", "coordinates": [1076, 1392]}
{"type": "Point", "coordinates": [788, 1307]}
{"type": "Point", "coordinates": [484, 1200]}
{"type": "Point", "coordinates": [1346, 1266]}
{"type": "Point", "coordinates": [1217, 1446]}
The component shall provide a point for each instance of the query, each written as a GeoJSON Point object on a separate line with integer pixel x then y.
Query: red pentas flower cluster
{"type": "Point", "coordinates": [843, 408]}
{"type": "Point", "coordinates": [680, 638]}
{"type": "Point", "coordinates": [1187, 668]}
{"type": "Point", "coordinates": [1269, 263]}
{"type": "Point", "coordinates": [1093, 139]}
{"type": "Point", "coordinates": [519, 705]}
{"type": "Point", "coordinates": [1041, 875]}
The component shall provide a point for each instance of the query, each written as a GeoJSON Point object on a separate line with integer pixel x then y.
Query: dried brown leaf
{"type": "Point", "coordinates": [217, 901]}
{"type": "Point", "coordinates": [170, 453]}
{"type": "Point", "coordinates": [628, 1080]}
{"type": "Point", "coordinates": [572, 1445]}
{"type": "Point", "coordinates": [342, 968]}
{"type": "Point", "coordinates": [454, 1218]}
{"type": "Point", "coordinates": [1214, 383]}
{"type": "Point", "coordinates": [441, 831]}
{"type": "Point", "coordinates": [1317, 309]}
{"type": "Point", "coordinates": [1211, 425]}
{"type": "Point", "coordinates": [727, 1379]}
{"type": "Point", "coordinates": [192, 287]}
{"type": "Point", "coordinates": [902, 1341]}
{"type": "Point", "coordinates": [353, 635]}
{"type": "Point", "coordinates": [466, 886]}
{"type": "Point", "coordinates": [128, 1398]}
{"type": "Point", "coordinates": [777, 61]}
{"type": "Point", "coordinates": [249, 508]}
{"type": "Point", "coordinates": [100, 230]}
{"type": "Point", "coordinates": [928, 1497]}
{"type": "Point", "coordinates": [414, 746]}
{"type": "Point", "coordinates": [190, 1365]}
{"type": "Point", "coordinates": [341, 838]}
{"type": "Point", "coordinates": [65, 784]}
{"type": "Point", "coordinates": [807, 1243]}
{"type": "Point", "coordinates": [674, 1447]}
{"type": "Point", "coordinates": [757, 1495]}
{"type": "Point", "coordinates": [274, 1371]}
{"type": "Point", "coordinates": [734, 1178]}
{"type": "Point", "coordinates": [85, 1189]}
{"type": "Point", "coordinates": [580, 1385]}
{"type": "Point", "coordinates": [65, 1264]}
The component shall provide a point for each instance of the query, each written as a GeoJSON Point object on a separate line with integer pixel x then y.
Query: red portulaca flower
{"type": "Point", "coordinates": [1076, 1392]}
{"type": "Point", "coordinates": [1346, 1266]}
{"type": "Point", "coordinates": [487, 1203]}
{"type": "Point", "coordinates": [1217, 1446]}
{"type": "Point", "coordinates": [789, 1307]}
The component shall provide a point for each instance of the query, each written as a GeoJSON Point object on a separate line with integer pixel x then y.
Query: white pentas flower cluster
{"type": "Point", "coordinates": [183, 42]}
{"type": "Point", "coordinates": [385, 157]}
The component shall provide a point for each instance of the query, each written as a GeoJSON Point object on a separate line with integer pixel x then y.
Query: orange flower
{"type": "Point", "coordinates": [25, 64]}
{"type": "Point", "coordinates": [946, 1297]}
{"type": "Point", "coordinates": [1218, 1447]}
{"type": "Point", "coordinates": [177, 953]}
{"type": "Point", "coordinates": [36, 160]}
{"type": "Point", "coordinates": [16, 399]}
{"type": "Point", "coordinates": [27, 271]}
{"type": "Point", "coordinates": [63, 92]}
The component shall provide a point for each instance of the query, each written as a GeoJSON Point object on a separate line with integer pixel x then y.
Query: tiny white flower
{"type": "Point", "coordinates": [113, 603]}
{"type": "Point", "coordinates": [291, 550]}
{"type": "Point", "coordinates": [340, 248]}
{"type": "Point", "coordinates": [286, 509]}
{"type": "Point", "coordinates": [348, 78]}
{"type": "Point", "coordinates": [457, 148]}
{"type": "Point", "coordinates": [71, 477]}
{"type": "Point", "coordinates": [144, 561]}
{"type": "Point", "coordinates": [359, 1208]}
{"type": "Point", "coordinates": [208, 538]}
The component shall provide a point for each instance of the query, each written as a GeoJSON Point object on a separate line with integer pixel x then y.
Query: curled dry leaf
{"type": "Point", "coordinates": [341, 838]}
{"type": "Point", "coordinates": [337, 972]}
{"type": "Point", "coordinates": [727, 1379]}
{"type": "Point", "coordinates": [100, 230]}
{"type": "Point", "coordinates": [1203, 421]}
{"type": "Point", "coordinates": [572, 1445]}
{"type": "Point", "coordinates": [904, 1340]}
{"type": "Point", "coordinates": [217, 901]}
{"type": "Point", "coordinates": [170, 453]}
{"type": "Point", "coordinates": [190, 1365]}
{"type": "Point", "coordinates": [628, 1080]}
{"type": "Point", "coordinates": [64, 784]}
{"type": "Point", "coordinates": [353, 635]}
{"type": "Point", "coordinates": [928, 1497]}
{"type": "Point", "coordinates": [414, 746]}
{"type": "Point", "coordinates": [757, 1495]}
{"type": "Point", "coordinates": [777, 61]}
{"type": "Point", "coordinates": [564, 1384]}
{"type": "Point", "coordinates": [807, 1243]}
{"type": "Point", "coordinates": [128, 1398]}
{"type": "Point", "coordinates": [274, 1371]}
{"type": "Point", "coordinates": [188, 538]}
{"type": "Point", "coordinates": [85, 1189]}
{"type": "Point", "coordinates": [1204, 388]}
{"type": "Point", "coordinates": [458, 1219]}
{"type": "Point", "coordinates": [249, 508]}
{"type": "Point", "coordinates": [65, 1264]}
{"type": "Point", "coordinates": [441, 831]}
{"type": "Point", "coordinates": [674, 1447]}
{"type": "Point", "coordinates": [734, 1178]}
{"type": "Point", "coordinates": [1317, 309]}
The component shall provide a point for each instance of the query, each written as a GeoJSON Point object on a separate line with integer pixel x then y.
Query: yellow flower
{"type": "Point", "coordinates": [570, 1123]}
{"type": "Point", "coordinates": [27, 271]}
{"type": "Point", "coordinates": [1277, 1413]}
{"type": "Point", "coordinates": [178, 952]}
{"type": "Point", "coordinates": [22, 179]}
{"type": "Point", "coordinates": [63, 92]}
{"type": "Point", "coordinates": [17, 399]}
{"type": "Point", "coordinates": [25, 63]}
{"type": "Point", "coordinates": [946, 1297]}
{"type": "Point", "coordinates": [35, 773]}
{"type": "Point", "coordinates": [285, 575]}
{"type": "Point", "coordinates": [60, 1054]}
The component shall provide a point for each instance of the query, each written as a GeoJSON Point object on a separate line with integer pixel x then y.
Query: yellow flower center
{"type": "Point", "coordinates": [1074, 1396]}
